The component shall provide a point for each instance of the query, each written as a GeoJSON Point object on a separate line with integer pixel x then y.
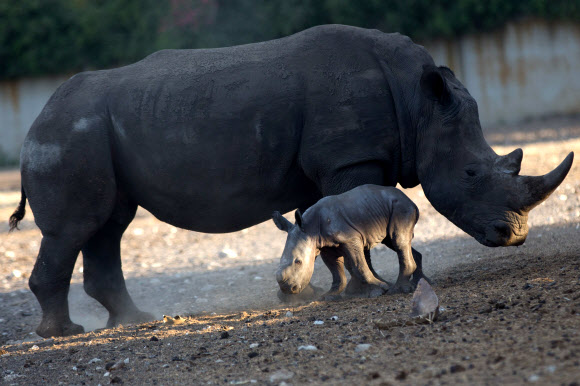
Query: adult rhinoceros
{"type": "Point", "coordinates": [216, 140]}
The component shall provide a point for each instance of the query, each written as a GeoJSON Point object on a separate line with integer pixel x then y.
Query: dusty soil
{"type": "Point", "coordinates": [509, 315]}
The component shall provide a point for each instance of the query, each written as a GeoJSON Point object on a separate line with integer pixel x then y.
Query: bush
{"type": "Point", "coordinates": [56, 36]}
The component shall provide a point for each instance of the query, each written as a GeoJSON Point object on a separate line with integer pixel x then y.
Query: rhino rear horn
{"type": "Point", "coordinates": [539, 188]}
{"type": "Point", "coordinates": [511, 163]}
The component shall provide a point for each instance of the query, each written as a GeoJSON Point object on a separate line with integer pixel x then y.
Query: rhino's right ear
{"type": "Point", "coordinates": [434, 85]}
{"type": "Point", "coordinates": [281, 222]}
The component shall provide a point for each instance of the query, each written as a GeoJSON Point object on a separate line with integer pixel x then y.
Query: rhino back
{"type": "Point", "coordinates": [362, 213]}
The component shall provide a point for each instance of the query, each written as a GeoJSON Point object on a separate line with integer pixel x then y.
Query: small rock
{"type": "Point", "coordinates": [116, 366]}
{"type": "Point", "coordinates": [289, 314]}
{"type": "Point", "coordinates": [254, 345]}
{"type": "Point", "coordinates": [165, 366]}
{"type": "Point", "coordinates": [227, 252]}
{"type": "Point", "coordinates": [533, 378]}
{"type": "Point", "coordinates": [16, 273]}
{"type": "Point", "coordinates": [94, 360]}
{"type": "Point", "coordinates": [225, 335]}
{"type": "Point", "coordinates": [307, 348]}
{"type": "Point", "coordinates": [106, 374]}
{"type": "Point", "coordinates": [126, 361]}
{"type": "Point", "coordinates": [176, 359]}
{"type": "Point", "coordinates": [318, 322]}
{"type": "Point", "coordinates": [281, 375]}
{"type": "Point", "coordinates": [334, 318]}
{"type": "Point", "coordinates": [34, 348]}
{"type": "Point", "coordinates": [456, 369]}
{"type": "Point", "coordinates": [402, 375]}
{"type": "Point", "coordinates": [253, 354]}
{"type": "Point", "coordinates": [116, 380]}
{"type": "Point", "coordinates": [154, 339]}
{"type": "Point", "coordinates": [362, 347]}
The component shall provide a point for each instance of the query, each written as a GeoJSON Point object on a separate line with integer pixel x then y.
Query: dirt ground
{"type": "Point", "coordinates": [508, 315]}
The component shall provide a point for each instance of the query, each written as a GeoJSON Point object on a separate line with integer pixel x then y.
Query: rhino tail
{"type": "Point", "coordinates": [19, 212]}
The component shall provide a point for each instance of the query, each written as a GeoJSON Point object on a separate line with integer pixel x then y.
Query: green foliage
{"type": "Point", "coordinates": [55, 36]}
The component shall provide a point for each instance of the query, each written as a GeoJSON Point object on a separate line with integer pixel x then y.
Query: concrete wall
{"type": "Point", "coordinates": [20, 103]}
{"type": "Point", "coordinates": [525, 70]}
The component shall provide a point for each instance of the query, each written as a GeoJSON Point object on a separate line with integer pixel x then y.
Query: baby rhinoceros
{"type": "Point", "coordinates": [343, 229]}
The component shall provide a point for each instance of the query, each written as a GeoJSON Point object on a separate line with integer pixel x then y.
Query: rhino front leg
{"type": "Point", "coordinates": [335, 263]}
{"type": "Point", "coordinates": [103, 275]}
{"type": "Point", "coordinates": [363, 283]}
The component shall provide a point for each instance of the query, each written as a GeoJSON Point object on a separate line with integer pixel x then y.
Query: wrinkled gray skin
{"type": "Point", "coordinates": [347, 227]}
{"type": "Point", "coordinates": [215, 140]}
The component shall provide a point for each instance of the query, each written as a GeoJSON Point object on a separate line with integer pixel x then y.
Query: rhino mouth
{"type": "Point", "coordinates": [290, 289]}
{"type": "Point", "coordinates": [501, 234]}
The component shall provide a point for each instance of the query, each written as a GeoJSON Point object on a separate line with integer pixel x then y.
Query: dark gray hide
{"type": "Point", "coordinates": [348, 226]}
{"type": "Point", "coordinates": [216, 140]}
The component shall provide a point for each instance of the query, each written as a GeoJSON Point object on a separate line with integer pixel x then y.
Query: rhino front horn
{"type": "Point", "coordinates": [537, 189]}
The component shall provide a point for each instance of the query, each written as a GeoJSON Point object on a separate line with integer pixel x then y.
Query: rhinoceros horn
{"type": "Point", "coordinates": [511, 163]}
{"type": "Point", "coordinates": [537, 189]}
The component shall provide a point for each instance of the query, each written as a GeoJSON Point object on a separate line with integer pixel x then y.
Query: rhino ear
{"type": "Point", "coordinates": [298, 217]}
{"type": "Point", "coordinates": [434, 85]}
{"type": "Point", "coordinates": [281, 222]}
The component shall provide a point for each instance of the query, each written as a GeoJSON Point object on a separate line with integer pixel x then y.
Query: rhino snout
{"type": "Point", "coordinates": [501, 233]}
{"type": "Point", "coordinates": [286, 285]}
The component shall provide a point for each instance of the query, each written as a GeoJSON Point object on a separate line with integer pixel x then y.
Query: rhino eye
{"type": "Point", "coordinates": [298, 262]}
{"type": "Point", "coordinates": [470, 172]}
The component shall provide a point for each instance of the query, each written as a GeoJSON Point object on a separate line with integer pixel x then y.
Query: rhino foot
{"type": "Point", "coordinates": [359, 289]}
{"type": "Point", "coordinates": [402, 286]}
{"type": "Point", "coordinates": [47, 329]}
{"type": "Point", "coordinates": [418, 277]}
{"type": "Point", "coordinates": [308, 294]}
{"type": "Point", "coordinates": [331, 297]}
{"type": "Point", "coordinates": [133, 317]}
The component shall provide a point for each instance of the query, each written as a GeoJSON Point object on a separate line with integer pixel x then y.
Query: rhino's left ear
{"type": "Point", "coordinates": [434, 85]}
{"type": "Point", "coordinates": [281, 222]}
{"type": "Point", "coordinates": [298, 217]}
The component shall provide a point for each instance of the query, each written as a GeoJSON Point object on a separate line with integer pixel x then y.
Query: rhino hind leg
{"type": "Point", "coordinates": [370, 264]}
{"type": "Point", "coordinates": [363, 283]}
{"type": "Point", "coordinates": [50, 283]}
{"type": "Point", "coordinates": [103, 275]}
{"type": "Point", "coordinates": [418, 274]}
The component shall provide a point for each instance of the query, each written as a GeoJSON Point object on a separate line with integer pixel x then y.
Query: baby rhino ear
{"type": "Point", "coordinates": [281, 222]}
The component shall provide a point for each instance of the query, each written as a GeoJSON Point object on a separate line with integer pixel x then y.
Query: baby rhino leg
{"type": "Point", "coordinates": [418, 274]}
{"type": "Point", "coordinates": [369, 263]}
{"type": "Point", "coordinates": [363, 282]}
{"type": "Point", "coordinates": [399, 236]}
{"type": "Point", "coordinates": [335, 263]}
